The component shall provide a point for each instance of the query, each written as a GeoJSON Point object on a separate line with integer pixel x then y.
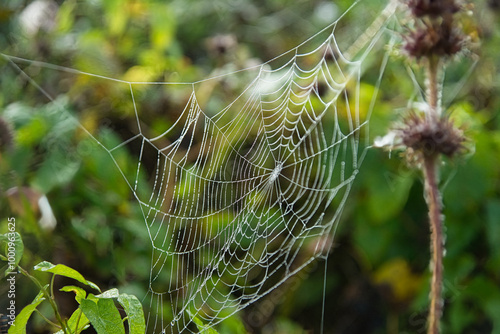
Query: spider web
{"type": "Point", "coordinates": [235, 189]}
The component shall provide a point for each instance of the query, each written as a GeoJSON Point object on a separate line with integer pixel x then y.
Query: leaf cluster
{"type": "Point", "coordinates": [99, 311]}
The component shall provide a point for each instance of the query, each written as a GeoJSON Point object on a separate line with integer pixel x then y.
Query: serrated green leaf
{"type": "Point", "coordinates": [62, 270]}
{"type": "Point", "coordinates": [103, 315]}
{"type": "Point", "coordinates": [133, 308]}
{"type": "Point", "coordinates": [14, 249]}
{"type": "Point", "coordinates": [19, 326]}
{"type": "Point", "coordinates": [79, 292]}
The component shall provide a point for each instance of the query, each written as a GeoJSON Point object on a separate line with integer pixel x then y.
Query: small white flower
{"type": "Point", "coordinates": [47, 219]}
{"type": "Point", "coordinates": [390, 140]}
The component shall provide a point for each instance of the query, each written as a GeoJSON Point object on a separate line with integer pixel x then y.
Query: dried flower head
{"type": "Point", "coordinates": [432, 8]}
{"type": "Point", "coordinates": [441, 40]}
{"type": "Point", "coordinates": [420, 138]}
{"type": "Point", "coordinates": [425, 138]}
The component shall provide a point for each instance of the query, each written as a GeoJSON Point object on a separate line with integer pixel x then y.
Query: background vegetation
{"type": "Point", "coordinates": [378, 269]}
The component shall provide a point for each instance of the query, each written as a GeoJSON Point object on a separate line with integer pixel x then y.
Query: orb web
{"type": "Point", "coordinates": [239, 193]}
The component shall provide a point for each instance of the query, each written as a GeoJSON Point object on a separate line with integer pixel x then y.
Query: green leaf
{"type": "Point", "coordinates": [204, 329]}
{"type": "Point", "coordinates": [134, 311]}
{"type": "Point", "coordinates": [65, 16]}
{"type": "Point", "coordinates": [103, 315]}
{"type": "Point", "coordinates": [19, 326]}
{"type": "Point", "coordinates": [163, 28]}
{"type": "Point", "coordinates": [57, 170]}
{"type": "Point", "coordinates": [484, 292]}
{"type": "Point", "coordinates": [79, 292]}
{"type": "Point", "coordinates": [62, 270]}
{"type": "Point", "coordinates": [116, 16]}
{"type": "Point", "coordinates": [33, 132]}
{"type": "Point", "coordinates": [111, 293]}
{"type": "Point", "coordinates": [77, 322]}
{"type": "Point", "coordinates": [493, 225]}
{"type": "Point", "coordinates": [14, 249]}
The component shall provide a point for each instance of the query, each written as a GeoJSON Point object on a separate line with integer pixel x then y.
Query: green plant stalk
{"type": "Point", "coordinates": [47, 319]}
{"type": "Point", "coordinates": [49, 297]}
{"type": "Point", "coordinates": [78, 321]}
{"type": "Point", "coordinates": [430, 169]}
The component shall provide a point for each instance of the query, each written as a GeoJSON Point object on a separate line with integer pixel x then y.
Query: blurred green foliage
{"type": "Point", "coordinates": [377, 279]}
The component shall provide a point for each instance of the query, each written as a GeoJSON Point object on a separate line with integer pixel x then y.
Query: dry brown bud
{"type": "Point", "coordinates": [426, 138]}
{"type": "Point", "coordinates": [428, 41]}
{"type": "Point", "coordinates": [433, 8]}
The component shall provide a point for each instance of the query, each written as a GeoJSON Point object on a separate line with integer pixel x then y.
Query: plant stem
{"type": "Point", "coordinates": [430, 170]}
{"type": "Point", "coordinates": [49, 297]}
{"type": "Point", "coordinates": [433, 198]}
{"type": "Point", "coordinates": [435, 38]}
{"type": "Point", "coordinates": [433, 89]}
{"type": "Point", "coordinates": [47, 319]}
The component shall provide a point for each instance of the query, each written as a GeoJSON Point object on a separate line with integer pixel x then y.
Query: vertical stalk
{"type": "Point", "coordinates": [433, 64]}
{"type": "Point", "coordinates": [434, 39]}
{"type": "Point", "coordinates": [430, 169]}
{"type": "Point", "coordinates": [50, 299]}
{"type": "Point", "coordinates": [433, 199]}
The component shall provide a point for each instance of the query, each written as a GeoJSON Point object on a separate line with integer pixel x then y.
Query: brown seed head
{"type": "Point", "coordinates": [441, 40]}
{"type": "Point", "coordinates": [426, 139]}
{"type": "Point", "coordinates": [432, 8]}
